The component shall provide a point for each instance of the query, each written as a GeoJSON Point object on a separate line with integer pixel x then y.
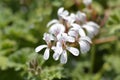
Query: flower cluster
{"type": "Point", "coordinates": [66, 34]}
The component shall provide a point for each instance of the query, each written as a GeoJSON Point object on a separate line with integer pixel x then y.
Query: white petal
{"type": "Point", "coordinates": [62, 37]}
{"type": "Point", "coordinates": [92, 28]}
{"type": "Point", "coordinates": [70, 39]}
{"type": "Point", "coordinates": [69, 19]}
{"type": "Point", "coordinates": [72, 15]}
{"type": "Point", "coordinates": [60, 10]}
{"type": "Point", "coordinates": [86, 38]}
{"type": "Point", "coordinates": [65, 13]}
{"type": "Point", "coordinates": [73, 50]}
{"type": "Point", "coordinates": [56, 56]}
{"type": "Point", "coordinates": [91, 23]}
{"type": "Point", "coordinates": [76, 26]}
{"type": "Point", "coordinates": [73, 33]}
{"type": "Point", "coordinates": [48, 37]}
{"type": "Point", "coordinates": [39, 48]}
{"type": "Point", "coordinates": [58, 44]}
{"type": "Point", "coordinates": [63, 58]}
{"type": "Point", "coordinates": [57, 51]}
{"type": "Point", "coordinates": [84, 46]}
{"type": "Point", "coordinates": [82, 32]}
{"type": "Point", "coordinates": [46, 54]}
{"type": "Point", "coordinates": [72, 18]}
{"type": "Point", "coordinates": [92, 34]}
{"type": "Point", "coordinates": [81, 16]}
{"type": "Point", "coordinates": [62, 13]}
{"type": "Point", "coordinates": [91, 31]}
{"type": "Point", "coordinates": [54, 21]}
{"type": "Point", "coordinates": [57, 29]}
{"type": "Point", "coordinates": [59, 36]}
{"type": "Point", "coordinates": [58, 48]}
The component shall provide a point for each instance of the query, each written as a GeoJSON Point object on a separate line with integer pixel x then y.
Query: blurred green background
{"type": "Point", "coordinates": [22, 24]}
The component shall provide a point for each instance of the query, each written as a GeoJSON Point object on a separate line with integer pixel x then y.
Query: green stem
{"type": "Point", "coordinates": [92, 59]}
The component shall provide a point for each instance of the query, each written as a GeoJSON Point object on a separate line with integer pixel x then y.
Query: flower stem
{"type": "Point", "coordinates": [92, 59]}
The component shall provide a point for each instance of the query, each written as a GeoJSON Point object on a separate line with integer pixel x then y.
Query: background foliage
{"type": "Point", "coordinates": [22, 24]}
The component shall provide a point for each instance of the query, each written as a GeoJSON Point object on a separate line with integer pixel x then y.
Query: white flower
{"type": "Point", "coordinates": [47, 38]}
{"type": "Point", "coordinates": [61, 48]}
{"type": "Point", "coordinates": [87, 2]}
{"type": "Point", "coordinates": [83, 40]}
{"type": "Point", "coordinates": [57, 50]}
{"type": "Point", "coordinates": [63, 38]}
{"type": "Point", "coordinates": [74, 33]}
{"type": "Point", "coordinates": [84, 43]}
{"type": "Point", "coordinates": [92, 29]}
{"type": "Point", "coordinates": [73, 16]}
{"type": "Point", "coordinates": [57, 29]}
{"type": "Point", "coordinates": [78, 30]}
{"type": "Point", "coordinates": [62, 13]}
{"type": "Point", "coordinates": [80, 17]}
{"type": "Point", "coordinates": [54, 21]}
{"type": "Point", "coordinates": [70, 19]}
{"type": "Point", "coordinates": [62, 53]}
